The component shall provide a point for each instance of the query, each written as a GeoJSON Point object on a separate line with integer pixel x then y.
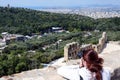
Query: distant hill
{"type": "Point", "coordinates": [27, 21]}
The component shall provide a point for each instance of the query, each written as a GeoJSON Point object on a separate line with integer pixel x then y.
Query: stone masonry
{"type": "Point", "coordinates": [71, 50]}
{"type": "Point", "coordinates": [99, 47]}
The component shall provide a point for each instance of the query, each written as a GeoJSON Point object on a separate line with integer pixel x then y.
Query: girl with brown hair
{"type": "Point", "coordinates": [90, 68]}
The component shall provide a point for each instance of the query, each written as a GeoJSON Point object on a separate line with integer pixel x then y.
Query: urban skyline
{"type": "Point", "coordinates": [59, 3]}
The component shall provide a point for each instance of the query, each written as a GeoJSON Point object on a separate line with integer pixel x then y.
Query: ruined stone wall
{"type": "Point", "coordinates": [99, 47]}
{"type": "Point", "coordinates": [71, 50]}
{"type": "Point", "coordinates": [86, 47]}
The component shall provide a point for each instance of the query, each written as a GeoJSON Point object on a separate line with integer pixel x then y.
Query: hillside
{"type": "Point", "coordinates": [27, 21]}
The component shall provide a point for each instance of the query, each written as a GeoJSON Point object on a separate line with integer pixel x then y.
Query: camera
{"type": "Point", "coordinates": [80, 54]}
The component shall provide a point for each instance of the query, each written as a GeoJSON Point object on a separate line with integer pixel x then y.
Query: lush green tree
{"type": "Point", "coordinates": [20, 67]}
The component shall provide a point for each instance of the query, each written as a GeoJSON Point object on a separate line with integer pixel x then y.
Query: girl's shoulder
{"type": "Point", "coordinates": [84, 71]}
{"type": "Point", "coordinates": [106, 73]}
{"type": "Point", "coordinates": [106, 70]}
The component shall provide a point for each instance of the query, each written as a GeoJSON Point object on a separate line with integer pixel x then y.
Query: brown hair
{"type": "Point", "coordinates": [94, 63]}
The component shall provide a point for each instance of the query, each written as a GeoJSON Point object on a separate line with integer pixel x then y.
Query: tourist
{"type": "Point", "coordinates": [90, 68]}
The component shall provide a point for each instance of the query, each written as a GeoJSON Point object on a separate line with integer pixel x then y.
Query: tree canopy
{"type": "Point", "coordinates": [27, 21]}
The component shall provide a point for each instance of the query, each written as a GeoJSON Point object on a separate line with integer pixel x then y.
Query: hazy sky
{"type": "Point", "coordinates": [57, 3]}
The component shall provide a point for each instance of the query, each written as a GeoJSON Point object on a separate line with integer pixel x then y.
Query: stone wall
{"type": "Point", "coordinates": [101, 44]}
{"type": "Point", "coordinates": [86, 47]}
{"type": "Point", "coordinates": [71, 50]}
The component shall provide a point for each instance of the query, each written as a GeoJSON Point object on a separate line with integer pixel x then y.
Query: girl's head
{"type": "Point", "coordinates": [93, 62]}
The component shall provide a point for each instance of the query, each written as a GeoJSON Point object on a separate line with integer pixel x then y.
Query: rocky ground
{"type": "Point", "coordinates": [111, 55]}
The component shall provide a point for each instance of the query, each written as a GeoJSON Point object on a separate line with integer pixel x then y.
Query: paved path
{"type": "Point", "coordinates": [111, 56]}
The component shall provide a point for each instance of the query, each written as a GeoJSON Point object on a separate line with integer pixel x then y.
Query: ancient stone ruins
{"type": "Point", "coordinates": [71, 50]}
{"type": "Point", "coordinates": [110, 54]}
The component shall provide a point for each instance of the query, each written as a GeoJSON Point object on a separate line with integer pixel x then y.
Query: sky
{"type": "Point", "coordinates": [57, 3]}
